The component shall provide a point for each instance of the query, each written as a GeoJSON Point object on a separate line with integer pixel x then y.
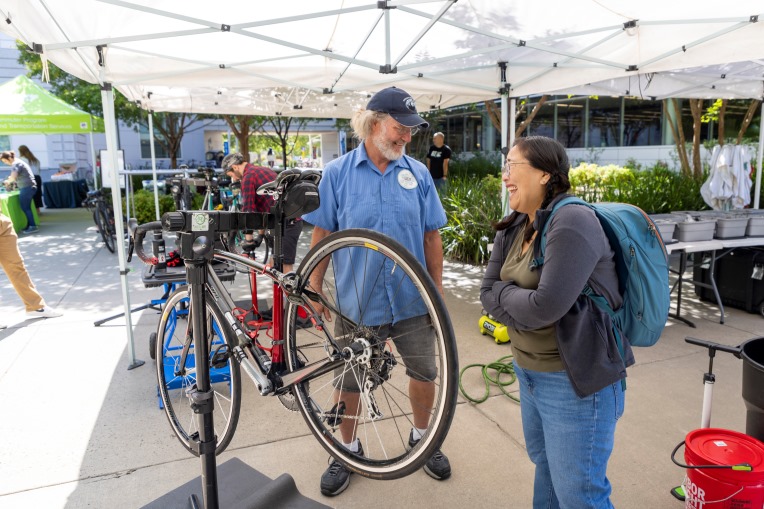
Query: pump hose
{"type": "Point", "coordinates": [502, 366]}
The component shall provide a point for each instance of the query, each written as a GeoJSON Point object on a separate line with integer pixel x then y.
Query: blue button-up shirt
{"type": "Point", "coordinates": [402, 203]}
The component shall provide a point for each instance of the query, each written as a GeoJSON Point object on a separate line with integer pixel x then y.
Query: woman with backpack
{"type": "Point", "coordinates": [566, 356]}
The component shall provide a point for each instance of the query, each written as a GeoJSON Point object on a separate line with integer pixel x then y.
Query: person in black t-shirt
{"type": "Point", "coordinates": [437, 160]}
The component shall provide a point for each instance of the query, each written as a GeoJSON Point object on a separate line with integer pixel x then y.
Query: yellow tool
{"type": "Point", "coordinates": [490, 326]}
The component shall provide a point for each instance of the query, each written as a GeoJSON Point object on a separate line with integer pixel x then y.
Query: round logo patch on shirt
{"type": "Point", "coordinates": [407, 180]}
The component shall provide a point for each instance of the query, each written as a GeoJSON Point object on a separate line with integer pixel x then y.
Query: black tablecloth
{"type": "Point", "coordinates": [65, 194]}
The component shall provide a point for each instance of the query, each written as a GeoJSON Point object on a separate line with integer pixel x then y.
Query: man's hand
{"type": "Point", "coordinates": [250, 245]}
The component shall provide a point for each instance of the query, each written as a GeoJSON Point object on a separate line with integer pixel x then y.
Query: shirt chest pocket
{"type": "Point", "coordinates": [406, 207]}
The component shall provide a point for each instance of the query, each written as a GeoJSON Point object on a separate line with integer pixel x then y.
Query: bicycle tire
{"type": "Point", "coordinates": [107, 233]}
{"type": "Point", "coordinates": [225, 379]}
{"type": "Point", "coordinates": [380, 263]}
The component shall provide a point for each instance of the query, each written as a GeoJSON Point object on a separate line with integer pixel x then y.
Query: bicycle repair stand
{"type": "Point", "coordinates": [198, 231]}
{"type": "Point", "coordinates": [158, 250]}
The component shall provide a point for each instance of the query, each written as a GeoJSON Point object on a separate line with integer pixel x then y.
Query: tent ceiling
{"type": "Point", "coordinates": [322, 59]}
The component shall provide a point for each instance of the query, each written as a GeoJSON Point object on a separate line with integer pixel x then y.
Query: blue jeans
{"type": "Point", "coordinates": [568, 438]}
{"type": "Point", "coordinates": [26, 195]}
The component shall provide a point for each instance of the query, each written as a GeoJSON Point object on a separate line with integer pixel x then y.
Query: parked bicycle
{"type": "Point", "coordinates": [359, 277]}
{"type": "Point", "coordinates": [103, 215]}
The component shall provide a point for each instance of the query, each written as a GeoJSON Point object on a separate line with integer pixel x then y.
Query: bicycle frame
{"type": "Point", "coordinates": [270, 378]}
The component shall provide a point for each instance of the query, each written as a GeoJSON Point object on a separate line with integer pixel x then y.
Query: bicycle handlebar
{"type": "Point", "coordinates": [137, 233]}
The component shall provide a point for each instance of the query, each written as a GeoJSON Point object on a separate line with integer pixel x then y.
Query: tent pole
{"type": "Point", "coordinates": [504, 131]}
{"type": "Point", "coordinates": [757, 189]}
{"type": "Point", "coordinates": [107, 98]}
{"type": "Point", "coordinates": [93, 158]}
{"type": "Point", "coordinates": [154, 164]}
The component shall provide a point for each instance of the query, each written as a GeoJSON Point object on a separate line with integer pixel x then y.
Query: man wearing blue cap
{"type": "Point", "coordinates": [377, 186]}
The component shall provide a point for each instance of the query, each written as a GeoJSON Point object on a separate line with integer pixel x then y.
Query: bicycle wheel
{"type": "Point", "coordinates": [105, 227]}
{"type": "Point", "coordinates": [394, 331]}
{"type": "Point", "coordinates": [176, 370]}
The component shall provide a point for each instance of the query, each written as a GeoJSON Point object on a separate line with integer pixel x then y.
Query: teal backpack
{"type": "Point", "coordinates": [642, 267]}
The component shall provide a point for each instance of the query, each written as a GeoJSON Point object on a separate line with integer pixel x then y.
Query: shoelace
{"type": "Point", "coordinates": [335, 468]}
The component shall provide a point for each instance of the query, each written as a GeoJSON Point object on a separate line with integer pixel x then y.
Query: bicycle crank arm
{"type": "Point", "coordinates": [311, 371]}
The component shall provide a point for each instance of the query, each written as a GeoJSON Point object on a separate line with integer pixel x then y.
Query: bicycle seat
{"type": "Point", "coordinates": [277, 186]}
{"type": "Point", "coordinates": [94, 194]}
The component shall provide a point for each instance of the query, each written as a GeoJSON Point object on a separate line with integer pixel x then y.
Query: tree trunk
{"type": "Point", "coordinates": [747, 120]}
{"type": "Point", "coordinates": [696, 108]}
{"type": "Point", "coordinates": [678, 132]}
{"type": "Point", "coordinates": [240, 127]}
{"type": "Point", "coordinates": [524, 124]}
{"type": "Point", "coordinates": [494, 114]}
{"type": "Point", "coordinates": [720, 127]}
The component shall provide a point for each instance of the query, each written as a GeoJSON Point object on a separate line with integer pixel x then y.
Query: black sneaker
{"type": "Point", "coordinates": [437, 466]}
{"type": "Point", "coordinates": [336, 478]}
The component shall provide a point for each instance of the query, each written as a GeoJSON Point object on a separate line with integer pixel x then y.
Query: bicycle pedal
{"type": "Point", "coordinates": [220, 358]}
{"type": "Point", "coordinates": [333, 417]}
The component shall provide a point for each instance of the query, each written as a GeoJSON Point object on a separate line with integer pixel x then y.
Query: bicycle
{"type": "Point", "coordinates": [103, 216]}
{"type": "Point", "coordinates": [305, 367]}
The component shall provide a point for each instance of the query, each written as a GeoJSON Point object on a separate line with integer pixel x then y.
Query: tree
{"type": "Point", "coordinates": [494, 114]}
{"type": "Point", "coordinates": [242, 127]}
{"type": "Point", "coordinates": [171, 128]}
{"type": "Point", "coordinates": [675, 123]}
{"type": "Point", "coordinates": [279, 132]}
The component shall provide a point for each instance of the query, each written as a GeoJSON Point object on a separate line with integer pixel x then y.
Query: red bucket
{"type": "Point", "coordinates": [723, 488]}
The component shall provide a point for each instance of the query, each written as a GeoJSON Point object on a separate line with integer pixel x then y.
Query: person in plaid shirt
{"type": "Point", "coordinates": [252, 177]}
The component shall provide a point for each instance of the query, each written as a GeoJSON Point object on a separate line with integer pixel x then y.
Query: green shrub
{"type": "Point", "coordinates": [476, 167]}
{"type": "Point", "coordinates": [145, 210]}
{"type": "Point", "coordinates": [471, 206]}
{"type": "Point", "coordinates": [656, 190]}
{"type": "Point", "coordinates": [472, 200]}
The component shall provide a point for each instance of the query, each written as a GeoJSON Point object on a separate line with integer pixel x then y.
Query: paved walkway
{"type": "Point", "coordinates": [81, 430]}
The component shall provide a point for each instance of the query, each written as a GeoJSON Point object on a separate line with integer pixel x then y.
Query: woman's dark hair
{"type": "Point", "coordinates": [8, 154]}
{"type": "Point", "coordinates": [549, 156]}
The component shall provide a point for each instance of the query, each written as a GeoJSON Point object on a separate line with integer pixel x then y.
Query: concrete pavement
{"type": "Point", "coordinates": [81, 430]}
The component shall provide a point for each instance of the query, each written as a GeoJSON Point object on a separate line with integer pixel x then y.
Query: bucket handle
{"type": "Point", "coordinates": [741, 467]}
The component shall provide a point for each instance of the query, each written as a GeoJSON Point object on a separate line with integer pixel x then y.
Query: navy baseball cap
{"type": "Point", "coordinates": [398, 104]}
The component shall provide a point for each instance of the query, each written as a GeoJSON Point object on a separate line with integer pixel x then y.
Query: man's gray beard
{"type": "Point", "coordinates": [387, 152]}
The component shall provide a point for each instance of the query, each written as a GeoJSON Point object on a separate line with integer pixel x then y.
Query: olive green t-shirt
{"type": "Point", "coordinates": [533, 349]}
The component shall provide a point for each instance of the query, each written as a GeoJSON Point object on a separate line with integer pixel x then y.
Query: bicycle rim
{"type": "Point", "coordinates": [173, 379]}
{"type": "Point", "coordinates": [383, 283]}
{"type": "Point", "coordinates": [106, 232]}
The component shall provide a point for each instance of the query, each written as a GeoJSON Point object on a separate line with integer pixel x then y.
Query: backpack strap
{"type": "Point", "coordinates": [539, 260]}
{"type": "Point", "coordinates": [598, 300]}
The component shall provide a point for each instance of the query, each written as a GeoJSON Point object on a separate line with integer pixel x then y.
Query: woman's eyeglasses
{"type": "Point", "coordinates": [509, 164]}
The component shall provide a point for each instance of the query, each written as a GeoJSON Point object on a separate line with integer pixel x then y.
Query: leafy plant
{"type": "Point", "coordinates": [471, 207]}
{"type": "Point", "coordinates": [656, 190]}
{"type": "Point", "coordinates": [475, 167]}
{"type": "Point", "coordinates": [145, 208]}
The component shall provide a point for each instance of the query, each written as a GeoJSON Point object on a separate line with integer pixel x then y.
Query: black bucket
{"type": "Point", "coordinates": [752, 352]}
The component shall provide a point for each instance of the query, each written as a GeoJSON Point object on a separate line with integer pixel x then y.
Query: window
{"type": "Point", "coordinates": [604, 121]}
{"type": "Point", "coordinates": [543, 123]}
{"type": "Point", "coordinates": [159, 150]}
{"type": "Point", "coordinates": [570, 122]}
{"type": "Point", "coordinates": [642, 123]}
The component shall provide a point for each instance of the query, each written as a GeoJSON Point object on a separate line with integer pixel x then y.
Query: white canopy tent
{"type": "Point", "coordinates": [323, 59]}
{"type": "Point", "coordinates": [320, 59]}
